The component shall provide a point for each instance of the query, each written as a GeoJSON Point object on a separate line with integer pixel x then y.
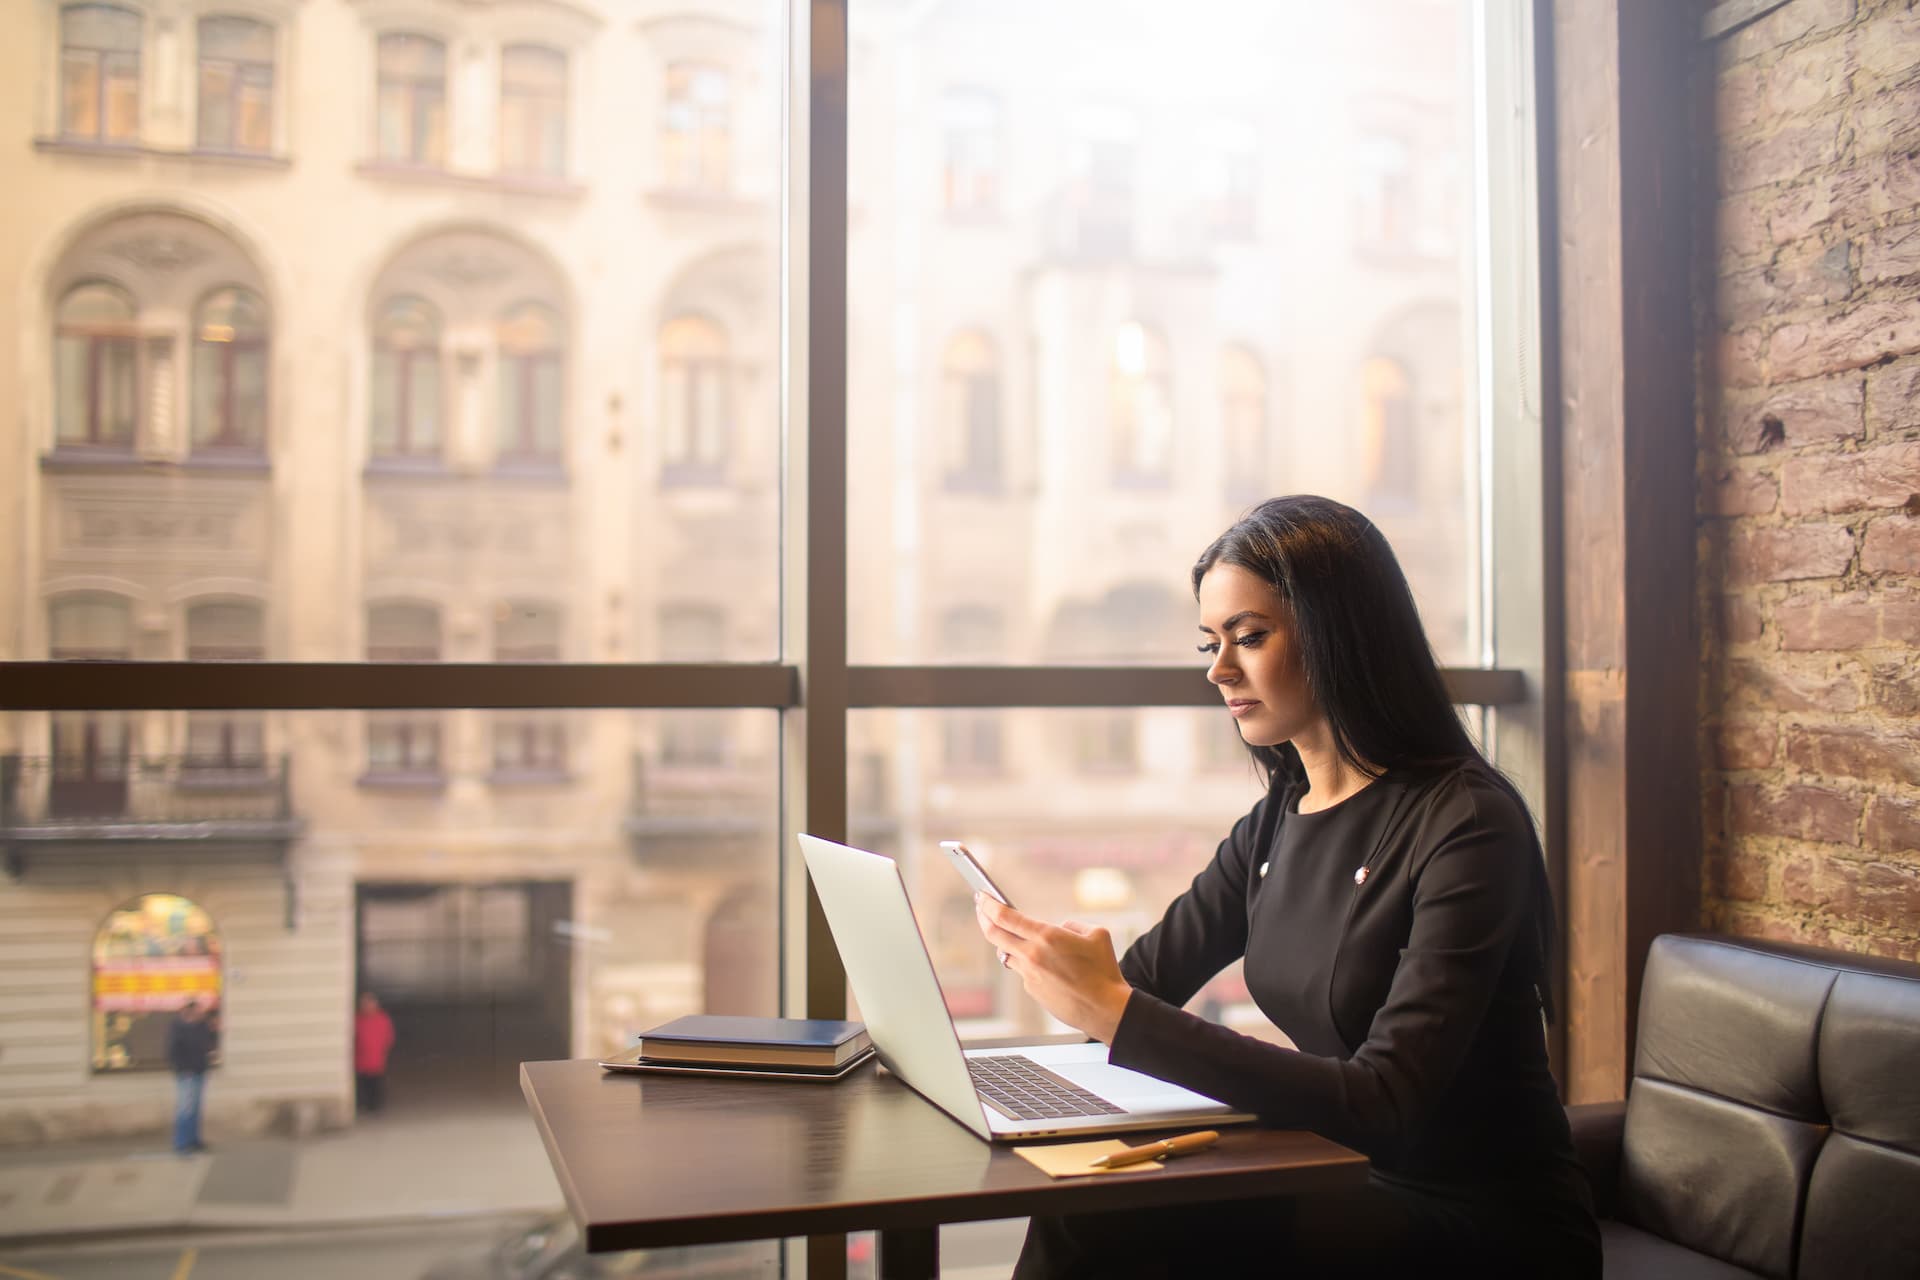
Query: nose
{"type": "Point", "coordinates": [1221, 670]}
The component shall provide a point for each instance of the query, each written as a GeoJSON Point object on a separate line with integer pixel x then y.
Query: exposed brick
{"type": "Point", "coordinates": [1851, 620]}
{"type": "Point", "coordinates": [1745, 744]}
{"type": "Point", "coordinates": [1818, 412]}
{"type": "Point", "coordinates": [1809, 75]}
{"type": "Point", "coordinates": [1779, 687]}
{"type": "Point", "coordinates": [1869, 754]}
{"type": "Point", "coordinates": [1894, 948]}
{"type": "Point", "coordinates": [1787, 152]}
{"type": "Point", "coordinates": [1738, 875]}
{"type": "Point", "coordinates": [1740, 226]}
{"type": "Point", "coordinates": [1785, 25]}
{"type": "Point", "coordinates": [1889, 45]}
{"type": "Point", "coordinates": [1890, 253]}
{"type": "Point", "coordinates": [1795, 212]}
{"type": "Point", "coordinates": [1789, 553]}
{"type": "Point", "coordinates": [1892, 546]}
{"type": "Point", "coordinates": [1886, 120]}
{"type": "Point", "coordinates": [1872, 478]}
{"type": "Point", "coordinates": [1844, 340]}
{"type": "Point", "coordinates": [1798, 813]}
{"type": "Point", "coordinates": [1749, 923]}
{"type": "Point", "coordinates": [1738, 362]}
{"type": "Point", "coordinates": [1896, 688]}
{"type": "Point", "coordinates": [1739, 619]}
{"type": "Point", "coordinates": [1877, 893]}
{"type": "Point", "coordinates": [1893, 397]}
{"type": "Point", "coordinates": [1793, 281]}
{"type": "Point", "coordinates": [1893, 824]}
{"type": "Point", "coordinates": [1739, 493]}
{"type": "Point", "coordinates": [1738, 94]}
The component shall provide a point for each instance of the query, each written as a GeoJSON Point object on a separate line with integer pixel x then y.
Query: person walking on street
{"type": "Point", "coordinates": [192, 1037]}
{"type": "Point", "coordinates": [372, 1042]}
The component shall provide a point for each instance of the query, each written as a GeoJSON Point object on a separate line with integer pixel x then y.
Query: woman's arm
{"type": "Point", "coordinates": [1471, 894]}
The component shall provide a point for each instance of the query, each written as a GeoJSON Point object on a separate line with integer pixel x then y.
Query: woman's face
{"type": "Point", "coordinates": [1247, 631]}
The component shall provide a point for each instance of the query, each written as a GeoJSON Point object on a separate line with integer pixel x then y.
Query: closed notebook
{"type": "Point", "coordinates": [785, 1042]}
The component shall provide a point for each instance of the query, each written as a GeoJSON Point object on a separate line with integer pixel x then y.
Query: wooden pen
{"type": "Point", "coordinates": [1154, 1150]}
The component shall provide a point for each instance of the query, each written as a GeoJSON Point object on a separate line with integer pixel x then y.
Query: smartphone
{"type": "Point", "coordinates": [971, 871]}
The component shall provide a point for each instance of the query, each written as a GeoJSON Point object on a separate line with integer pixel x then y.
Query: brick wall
{"type": "Point", "coordinates": [1809, 504]}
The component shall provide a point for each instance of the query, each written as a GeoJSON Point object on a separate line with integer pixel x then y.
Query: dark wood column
{"type": "Point", "coordinates": [1622, 151]}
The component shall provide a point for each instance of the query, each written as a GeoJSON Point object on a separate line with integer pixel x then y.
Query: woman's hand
{"type": "Point", "coordinates": [1069, 968]}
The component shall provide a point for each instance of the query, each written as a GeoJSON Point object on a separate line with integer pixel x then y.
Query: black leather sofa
{"type": "Point", "coordinates": [1772, 1126]}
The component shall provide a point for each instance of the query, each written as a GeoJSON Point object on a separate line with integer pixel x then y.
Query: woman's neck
{"type": "Point", "coordinates": [1331, 777]}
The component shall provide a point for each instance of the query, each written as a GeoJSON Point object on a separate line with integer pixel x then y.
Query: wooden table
{"type": "Point", "coordinates": [655, 1161]}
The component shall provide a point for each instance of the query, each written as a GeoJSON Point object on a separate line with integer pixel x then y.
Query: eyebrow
{"type": "Point", "coordinates": [1236, 620]}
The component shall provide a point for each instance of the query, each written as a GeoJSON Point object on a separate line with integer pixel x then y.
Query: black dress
{"type": "Point", "coordinates": [1392, 938]}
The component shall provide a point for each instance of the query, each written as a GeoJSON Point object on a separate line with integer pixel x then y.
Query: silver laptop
{"type": "Point", "coordinates": [1002, 1094]}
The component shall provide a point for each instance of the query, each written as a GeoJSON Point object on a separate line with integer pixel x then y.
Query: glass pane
{"type": "Point", "coordinates": [99, 26]}
{"type": "Point", "coordinates": [123, 97]}
{"type": "Point", "coordinates": [254, 132]}
{"type": "Point", "coordinates": [1188, 187]}
{"type": "Point", "coordinates": [72, 389]}
{"type": "Point", "coordinates": [118, 391]}
{"type": "Point", "coordinates": [80, 94]}
{"type": "Point", "coordinates": [241, 39]}
{"type": "Point", "coordinates": [522, 912]}
{"type": "Point", "coordinates": [1098, 816]}
{"type": "Point", "coordinates": [216, 104]}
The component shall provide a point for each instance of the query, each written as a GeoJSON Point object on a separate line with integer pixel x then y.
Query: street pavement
{"type": "Point", "coordinates": [483, 1161]}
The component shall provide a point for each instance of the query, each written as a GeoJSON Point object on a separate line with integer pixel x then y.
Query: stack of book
{"type": "Point", "coordinates": [713, 1044]}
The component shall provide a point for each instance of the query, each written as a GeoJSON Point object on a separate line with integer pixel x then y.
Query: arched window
{"type": "Point", "coordinates": [697, 128]}
{"type": "Point", "coordinates": [1243, 419]}
{"type": "Point", "coordinates": [1142, 407]}
{"type": "Point", "coordinates": [96, 363]}
{"type": "Point", "coordinates": [970, 413]}
{"type": "Point", "coordinates": [89, 625]}
{"type": "Point", "coordinates": [100, 73]}
{"type": "Point", "coordinates": [230, 371]}
{"type": "Point", "coordinates": [1389, 447]}
{"type": "Point", "coordinates": [695, 400]}
{"type": "Point", "coordinates": [533, 110]}
{"type": "Point", "coordinates": [151, 958]}
{"type": "Point", "coordinates": [412, 107]}
{"type": "Point", "coordinates": [970, 134]}
{"type": "Point", "coordinates": [236, 85]}
{"type": "Point", "coordinates": [530, 400]}
{"type": "Point", "coordinates": [225, 741]}
{"type": "Point", "coordinates": [406, 380]}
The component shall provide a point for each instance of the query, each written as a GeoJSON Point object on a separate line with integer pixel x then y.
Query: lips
{"type": "Point", "coordinates": [1237, 707]}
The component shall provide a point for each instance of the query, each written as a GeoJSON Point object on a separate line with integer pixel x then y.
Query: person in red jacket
{"type": "Point", "coordinates": [372, 1042]}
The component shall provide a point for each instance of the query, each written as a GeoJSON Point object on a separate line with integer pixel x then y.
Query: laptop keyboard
{"type": "Point", "coordinates": [1025, 1090]}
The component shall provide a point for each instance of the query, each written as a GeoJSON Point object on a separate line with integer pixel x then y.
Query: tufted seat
{"type": "Point", "coordinates": [1772, 1127]}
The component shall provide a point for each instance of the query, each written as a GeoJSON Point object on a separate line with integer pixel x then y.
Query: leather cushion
{"type": "Point", "coordinates": [1733, 1021]}
{"type": "Point", "coordinates": [1716, 1176]}
{"type": "Point", "coordinates": [1863, 1213]}
{"type": "Point", "coordinates": [1633, 1253]}
{"type": "Point", "coordinates": [1870, 1059]}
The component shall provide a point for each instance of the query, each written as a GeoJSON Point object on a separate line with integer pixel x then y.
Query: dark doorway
{"type": "Point", "coordinates": [477, 978]}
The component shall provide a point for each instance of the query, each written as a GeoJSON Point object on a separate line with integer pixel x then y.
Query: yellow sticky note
{"type": "Point", "coordinates": [1071, 1159]}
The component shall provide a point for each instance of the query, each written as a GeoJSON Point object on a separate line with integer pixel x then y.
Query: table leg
{"type": "Point", "coordinates": [910, 1253]}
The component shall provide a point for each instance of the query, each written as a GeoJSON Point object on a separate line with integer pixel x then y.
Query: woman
{"type": "Point", "coordinates": [1389, 900]}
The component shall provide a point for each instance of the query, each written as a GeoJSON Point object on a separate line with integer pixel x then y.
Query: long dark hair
{"type": "Point", "coordinates": [1365, 655]}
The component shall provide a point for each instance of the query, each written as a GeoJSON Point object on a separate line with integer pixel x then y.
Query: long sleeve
{"type": "Point", "coordinates": [1464, 875]}
{"type": "Point", "coordinates": [1205, 928]}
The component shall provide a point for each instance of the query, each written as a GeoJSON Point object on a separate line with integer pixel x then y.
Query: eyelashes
{"type": "Point", "coordinates": [1251, 640]}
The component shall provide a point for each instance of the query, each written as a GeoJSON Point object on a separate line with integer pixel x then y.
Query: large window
{"type": "Point", "coordinates": [96, 357]}
{"type": "Point", "coordinates": [570, 511]}
{"type": "Point", "coordinates": [697, 127]}
{"type": "Point", "coordinates": [100, 73]}
{"type": "Point", "coordinates": [406, 380]}
{"type": "Point", "coordinates": [412, 100]}
{"type": "Point", "coordinates": [236, 85]}
{"type": "Point", "coordinates": [230, 372]}
{"type": "Point", "coordinates": [533, 111]}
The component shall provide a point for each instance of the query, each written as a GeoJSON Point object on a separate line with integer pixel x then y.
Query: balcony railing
{"type": "Point", "coordinates": [45, 798]}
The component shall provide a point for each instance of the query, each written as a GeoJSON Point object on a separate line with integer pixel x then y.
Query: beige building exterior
{"type": "Point", "coordinates": [448, 330]}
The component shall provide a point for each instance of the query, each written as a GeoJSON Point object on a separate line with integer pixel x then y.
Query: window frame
{"type": "Point", "coordinates": [412, 89]}
{"type": "Point", "coordinates": [1512, 680]}
{"type": "Point", "coordinates": [240, 69]}
{"type": "Point", "coordinates": [99, 59]}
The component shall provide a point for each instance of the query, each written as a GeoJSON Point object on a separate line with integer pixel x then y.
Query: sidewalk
{"type": "Point", "coordinates": [393, 1167]}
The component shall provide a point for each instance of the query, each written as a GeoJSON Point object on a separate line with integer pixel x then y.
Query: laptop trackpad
{"type": "Point", "coordinates": [1124, 1088]}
